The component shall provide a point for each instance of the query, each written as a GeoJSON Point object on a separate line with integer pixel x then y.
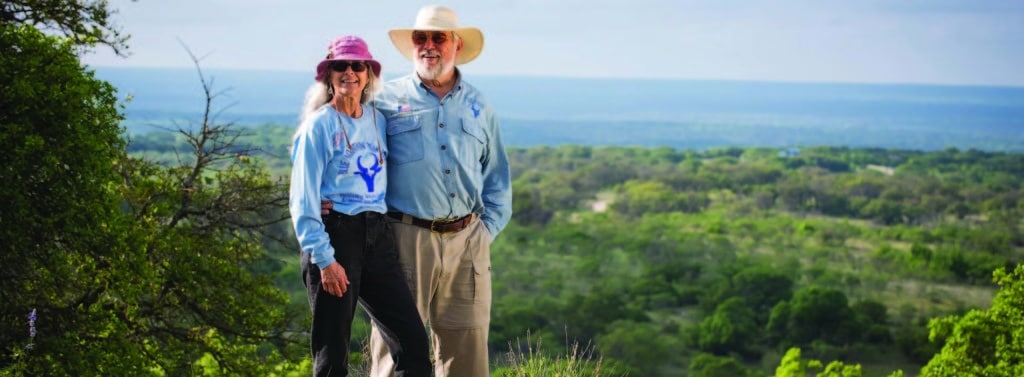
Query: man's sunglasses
{"type": "Point", "coordinates": [342, 66]}
{"type": "Point", "coordinates": [420, 37]}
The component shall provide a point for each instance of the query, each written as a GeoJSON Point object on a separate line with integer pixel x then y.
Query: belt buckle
{"type": "Point", "coordinates": [439, 223]}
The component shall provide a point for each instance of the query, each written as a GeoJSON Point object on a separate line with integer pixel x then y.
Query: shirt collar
{"type": "Point", "coordinates": [455, 88]}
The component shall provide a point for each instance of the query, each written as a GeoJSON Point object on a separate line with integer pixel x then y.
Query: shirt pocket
{"type": "Point", "coordinates": [473, 140]}
{"type": "Point", "coordinates": [405, 140]}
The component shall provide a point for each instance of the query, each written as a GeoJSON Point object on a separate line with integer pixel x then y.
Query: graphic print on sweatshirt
{"type": "Point", "coordinates": [362, 171]}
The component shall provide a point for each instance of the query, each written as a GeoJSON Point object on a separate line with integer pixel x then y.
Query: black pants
{"type": "Point", "coordinates": [364, 245]}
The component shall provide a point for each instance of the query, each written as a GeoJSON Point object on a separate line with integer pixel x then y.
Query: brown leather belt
{"type": "Point", "coordinates": [440, 225]}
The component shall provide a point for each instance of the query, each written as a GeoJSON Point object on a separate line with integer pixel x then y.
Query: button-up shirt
{"type": "Point", "coordinates": [447, 159]}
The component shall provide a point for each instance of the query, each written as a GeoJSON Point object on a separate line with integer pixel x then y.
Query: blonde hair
{"type": "Point", "coordinates": [318, 94]}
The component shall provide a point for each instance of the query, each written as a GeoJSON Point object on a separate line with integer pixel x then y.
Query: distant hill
{"type": "Point", "coordinates": [677, 113]}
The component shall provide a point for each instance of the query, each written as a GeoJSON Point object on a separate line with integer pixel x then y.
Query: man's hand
{"type": "Point", "coordinates": [326, 206]}
{"type": "Point", "coordinates": [334, 279]}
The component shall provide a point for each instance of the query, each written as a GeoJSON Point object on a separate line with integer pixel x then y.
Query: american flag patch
{"type": "Point", "coordinates": [404, 108]}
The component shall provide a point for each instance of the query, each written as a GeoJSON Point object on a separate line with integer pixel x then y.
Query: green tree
{"type": "Point", "coordinates": [589, 315]}
{"type": "Point", "coordinates": [912, 340]}
{"type": "Point", "coordinates": [777, 328]}
{"type": "Point", "coordinates": [761, 288]}
{"type": "Point", "coordinates": [60, 134]}
{"type": "Point", "coordinates": [707, 365]}
{"type": "Point", "coordinates": [84, 22]}
{"type": "Point", "coordinates": [125, 267]}
{"type": "Point", "coordinates": [639, 345]}
{"type": "Point", "coordinates": [730, 329]}
{"type": "Point", "coordinates": [639, 197]}
{"type": "Point", "coordinates": [792, 365]}
{"type": "Point", "coordinates": [821, 313]}
{"type": "Point", "coordinates": [873, 316]}
{"type": "Point", "coordinates": [202, 225]}
{"type": "Point", "coordinates": [986, 342]}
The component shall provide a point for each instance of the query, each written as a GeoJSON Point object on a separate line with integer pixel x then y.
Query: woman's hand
{"type": "Point", "coordinates": [334, 279]}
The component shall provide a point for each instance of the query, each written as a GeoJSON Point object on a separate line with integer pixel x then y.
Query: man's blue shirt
{"type": "Point", "coordinates": [447, 158]}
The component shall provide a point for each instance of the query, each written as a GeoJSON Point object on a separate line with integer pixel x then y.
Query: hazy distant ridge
{"type": "Point", "coordinates": [677, 113]}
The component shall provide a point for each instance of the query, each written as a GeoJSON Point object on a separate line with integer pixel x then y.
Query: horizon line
{"type": "Point", "coordinates": [608, 78]}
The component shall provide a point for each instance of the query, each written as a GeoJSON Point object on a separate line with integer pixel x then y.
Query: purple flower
{"type": "Point", "coordinates": [31, 329]}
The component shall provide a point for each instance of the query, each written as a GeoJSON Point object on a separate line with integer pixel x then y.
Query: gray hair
{"type": "Point", "coordinates": [318, 93]}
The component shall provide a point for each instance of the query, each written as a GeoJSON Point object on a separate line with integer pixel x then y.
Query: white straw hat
{"type": "Point", "coordinates": [439, 18]}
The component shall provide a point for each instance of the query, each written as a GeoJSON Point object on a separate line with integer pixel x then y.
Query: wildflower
{"type": "Point", "coordinates": [31, 329]}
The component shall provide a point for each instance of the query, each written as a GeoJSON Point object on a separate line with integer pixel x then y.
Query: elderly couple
{"type": "Point", "coordinates": [397, 190]}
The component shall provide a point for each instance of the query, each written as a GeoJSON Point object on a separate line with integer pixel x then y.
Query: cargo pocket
{"type": "Point", "coordinates": [482, 265]}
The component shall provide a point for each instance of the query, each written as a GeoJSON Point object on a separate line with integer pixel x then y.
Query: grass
{"type": "Point", "coordinates": [579, 361]}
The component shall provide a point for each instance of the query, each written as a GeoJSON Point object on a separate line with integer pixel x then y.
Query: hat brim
{"type": "Point", "coordinates": [472, 42]}
{"type": "Point", "coordinates": [321, 68]}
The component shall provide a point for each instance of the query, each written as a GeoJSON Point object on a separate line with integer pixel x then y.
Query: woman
{"type": "Point", "coordinates": [348, 255]}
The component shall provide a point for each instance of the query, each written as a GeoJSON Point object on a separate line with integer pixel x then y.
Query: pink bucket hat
{"type": "Point", "coordinates": [348, 47]}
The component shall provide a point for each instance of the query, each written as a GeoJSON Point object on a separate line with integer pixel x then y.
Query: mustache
{"type": "Point", "coordinates": [430, 54]}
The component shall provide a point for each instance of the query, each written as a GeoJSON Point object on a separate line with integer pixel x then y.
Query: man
{"type": "Point", "coordinates": [449, 191]}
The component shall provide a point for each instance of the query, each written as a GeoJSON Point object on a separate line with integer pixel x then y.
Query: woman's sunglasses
{"type": "Point", "coordinates": [342, 66]}
{"type": "Point", "coordinates": [420, 37]}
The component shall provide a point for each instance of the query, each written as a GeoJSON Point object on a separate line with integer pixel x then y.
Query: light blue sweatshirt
{"type": "Point", "coordinates": [327, 165]}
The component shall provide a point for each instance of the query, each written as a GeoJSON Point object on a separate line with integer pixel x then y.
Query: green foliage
{"type": "Point", "coordinates": [638, 345]}
{"type": "Point", "coordinates": [84, 22]}
{"type": "Point", "coordinates": [578, 361]}
{"type": "Point", "coordinates": [872, 316]}
{"type": "Point", "coordinates": [643, 274]}
{"type": "Point", "coordinates": [821, 314]}
{"type": "Point", "coordinates": [912, 340]}
{"type": "Point", "coordinates": [707, 365]}
{"type": "Point", "coordinates": [161, 264]}
{"type": "Point", "coordinates": [761, 288]}
{"type": "Point", "coordinates": [731, 328]}
{"type": "Point", "coordinates": [129, 268]}
{"type": "Point", "coordinates": [60, 230]}
{"type": "Point", "coordinates": [637, 198]}
{"type": "Point", "coordinates": [984, 342]}
{"type": "Point", "coordinates": [594, 313]}
{"type": "Point", "coordinates": [792, 365]}
{"type": "Point", "coordinates": [201, 224]}
{"type": "Point", "coordinates": [832, 164]}
{"type": "Point", "coordinates": [777, 327]}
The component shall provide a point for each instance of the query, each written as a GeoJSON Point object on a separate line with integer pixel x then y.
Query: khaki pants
{"type": "Point", "coordinates": [450, 279]}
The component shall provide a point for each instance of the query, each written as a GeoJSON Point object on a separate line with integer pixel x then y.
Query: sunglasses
{"type": "Point", "coordinates": [420, 37]}
{"type": "Point", "coordinates": [342, 66]}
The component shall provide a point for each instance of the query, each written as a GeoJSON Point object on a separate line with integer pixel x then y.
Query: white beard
{"type": "Point", "coordinates": [436, 73]}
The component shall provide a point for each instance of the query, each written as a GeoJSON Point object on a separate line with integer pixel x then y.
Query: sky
{"type": "Point", "coordinates": [960, 42]}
